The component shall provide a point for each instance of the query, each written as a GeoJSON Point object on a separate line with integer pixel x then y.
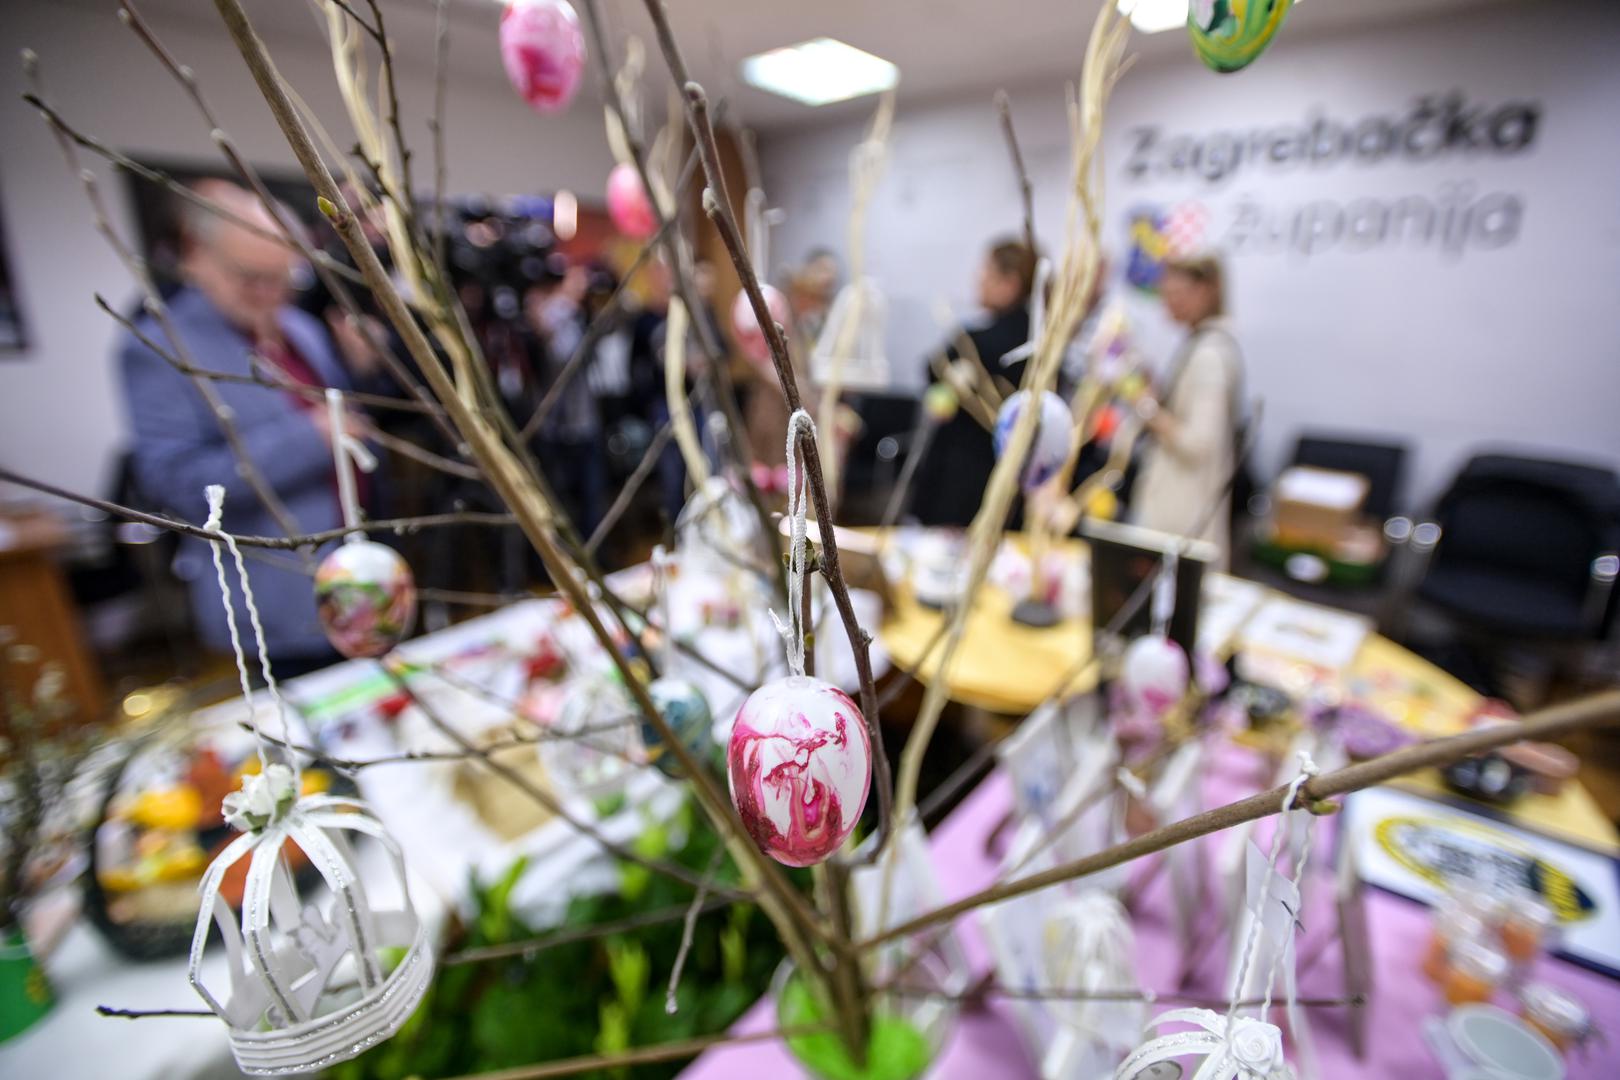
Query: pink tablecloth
{"type": "Point", "coordinates": [986, 1045]}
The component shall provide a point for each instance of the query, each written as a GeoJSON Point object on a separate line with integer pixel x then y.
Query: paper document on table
{"type": "Point", "coordinates": [1307, 632]}
{"type": "Point", "coordinates": [1227, 604]}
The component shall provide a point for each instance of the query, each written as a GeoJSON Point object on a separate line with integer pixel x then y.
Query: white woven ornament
{"type": "Point", "coordinates": [1089, 947]}
{"type": "Point", "coordinates": [282, 956]}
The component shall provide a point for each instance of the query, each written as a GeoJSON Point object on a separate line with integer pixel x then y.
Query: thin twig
{"type": "Point", "coordinates": [717, 205]}
{"type": "Point", "coordinates": [1544, 726]}
{"type": "Point", "coordinates": [147, 1014]}
{"type": "Point", "coordinates": [179, 190]}
{"type": "Point", "coordinates": [672, 1051]}
{"type": "Point", "coordinates": [325, 267]}
{"type": "Point", "coordinates": [158, 310]}
{"type": "Point", "coordinates": [278, 543]}
{"type": "Point", "coordinates": [1025, 190]}
{"type": "Point", "coordinates": [643, 469]}
{"type": "Point", "coordinates": [689, 927]}
{"type": "Point", "coordinates": [545, 799]}
{"type": "Point", "coordinates": [584, 352]}
{"type": "Point", "coordinates": [483, 953]}
{"type": "Point", "coordinates": [514, 484]}
{"type": "Point", "coordinates": [441, 82]}
{"type": "Point", "coordinates": [679, 260]}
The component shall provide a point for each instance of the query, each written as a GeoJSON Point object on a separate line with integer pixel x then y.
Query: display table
{"type": "Point", "coordinates": [986, 1042]}
{"type": "Point", "coordinates": [1009, 668]}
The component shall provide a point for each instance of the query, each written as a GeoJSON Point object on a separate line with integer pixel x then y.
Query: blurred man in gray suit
{"type": "Point", "coordinates": [233, 308]}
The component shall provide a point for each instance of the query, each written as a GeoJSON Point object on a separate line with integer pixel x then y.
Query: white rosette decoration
{"type": "Point", "coordinates": [1250, 1050]}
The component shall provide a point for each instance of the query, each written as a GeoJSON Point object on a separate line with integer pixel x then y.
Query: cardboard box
{"type": "Point", "coordinates": [1316, 507]}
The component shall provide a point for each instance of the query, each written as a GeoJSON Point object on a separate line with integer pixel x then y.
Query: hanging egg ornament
{"type": "Point", "coordinates": [940, 403]}
{"type": "Point", "coordinates": [543, 51]}
{"type": "Point", "coordinates": [750, 335]}
{"type": "Point", "coordinates": [366, 598]}
{"type": "Point", "coordinates": [1228, 35]}
{"type": "Point", "coordinates": [1153, 675]}
{"type": "Point", "coordinates": [686, 711]}
{"type": "Point", "coordinates": [799, 766]}
{"type": "Point", "coordinates": [589, 747]}
{"type": "Point", "coordinates": [629, 205]}
{"type": "Point", "coordinates": [1052, 435]}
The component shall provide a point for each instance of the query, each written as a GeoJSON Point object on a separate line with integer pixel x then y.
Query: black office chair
{"type": "Point", "coordinates": [888, 425]}
{"type": "Point", "coordinates": [1526, 548]}
{"type": "Point", "coordinates": [1383, 464]}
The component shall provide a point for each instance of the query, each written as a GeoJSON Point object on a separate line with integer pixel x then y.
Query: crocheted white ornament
{"type": "Point", "coordinates": [1250, 1050]}
{"type": "Point", "coordinates": [282, 955]}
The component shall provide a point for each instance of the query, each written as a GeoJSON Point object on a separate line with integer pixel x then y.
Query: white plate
{"type": "Point", "coordinates": [1504, 1044]}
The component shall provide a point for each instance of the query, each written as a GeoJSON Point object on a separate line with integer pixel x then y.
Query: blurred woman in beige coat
{"type": "Point", "coordinates": [1193, 423]}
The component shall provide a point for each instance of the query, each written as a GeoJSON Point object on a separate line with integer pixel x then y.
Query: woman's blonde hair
{"type": "Point", "coordinates": [1206, 270]}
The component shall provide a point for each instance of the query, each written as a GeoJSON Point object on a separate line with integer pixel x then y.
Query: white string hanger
{"type": "Point", "coordinates": [348, 454]}
{"type": "Point", "coordinates": [1234, 1047]}
{"type": "Point", "coordinates": [798, 492]}
{"type": "Point", "coordinates": [215, 494]}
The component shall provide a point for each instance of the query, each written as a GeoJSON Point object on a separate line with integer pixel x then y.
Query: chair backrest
{"type": "Point", "coordinates": [1536, 518]}
{"type": "Point", "coordinates": [1381, 463]}
{"type": "Point", "coordinates": [882, 416]}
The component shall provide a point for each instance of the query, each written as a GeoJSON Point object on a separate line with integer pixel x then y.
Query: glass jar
{"type": "Point", "coordinates": [1474, 970]}
{"type": "Point", "coordinates": [1556, 1014]}
{"type": "Point", "coordinates": [1526, 922]}
{"type": "Point", "coordinates": [908, 1031]}
{"type": "Point", "coordinates": [1454, 924]}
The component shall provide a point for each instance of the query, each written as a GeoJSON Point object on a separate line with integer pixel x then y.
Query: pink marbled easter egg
{"type": "Point", "coordinates": [543, 51]}
{"type": "Point", "coordinates": [799, 765]}
{"type": "Point", "coordinates": [1153, 675]}
{"type": "Point", "coordinates": [750, 336]}
{"type": "Point", "coordinates": [628, 204]}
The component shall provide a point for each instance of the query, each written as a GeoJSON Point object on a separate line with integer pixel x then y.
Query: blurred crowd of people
{"type": "Point", "coordinates": [576, 356]}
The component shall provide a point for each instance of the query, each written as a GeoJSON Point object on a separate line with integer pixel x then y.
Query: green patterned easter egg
{"type": "Point", "coordinates": [1229, 34]}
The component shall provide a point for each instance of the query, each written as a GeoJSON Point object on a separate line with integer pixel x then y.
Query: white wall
{"type": "Point", "coordinates": [1514, 344]}
{"type": "Point", "coordinates": [60, 414]}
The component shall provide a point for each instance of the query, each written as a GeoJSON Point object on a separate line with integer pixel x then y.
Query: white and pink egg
{"type": "Point", "coordinates": [799, 767]}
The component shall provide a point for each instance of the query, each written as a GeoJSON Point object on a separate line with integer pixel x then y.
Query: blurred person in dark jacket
{"type": "Point", "coordinates": [950, 481]}
{"type": "Point", "coordinates": [569, 441]}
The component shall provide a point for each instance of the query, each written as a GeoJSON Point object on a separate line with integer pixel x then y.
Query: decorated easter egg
{"type": "Point", "coordinates": [940, 403]}
{"type": "Point", "coordinates": [1227, 35]}
{"type": "Point", "coordinates": [750, 336]}
{"type": "Point", "coordinates": [366, 598]}
{"type": "Point", "coordinates": [1153, 675]}
{"type": "Point", "coordinates": [1052, 435]}
{"type": "Point", "coordinates": [686, 711]}
{"type": "Point", "coordinates": [628, 203]}
{"type": "Point", "coordinates": [799, 768]}
{"type": "Point", "coordinates": [543, 51]}
{"type": "Point", "coordinates": [589, 747]}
